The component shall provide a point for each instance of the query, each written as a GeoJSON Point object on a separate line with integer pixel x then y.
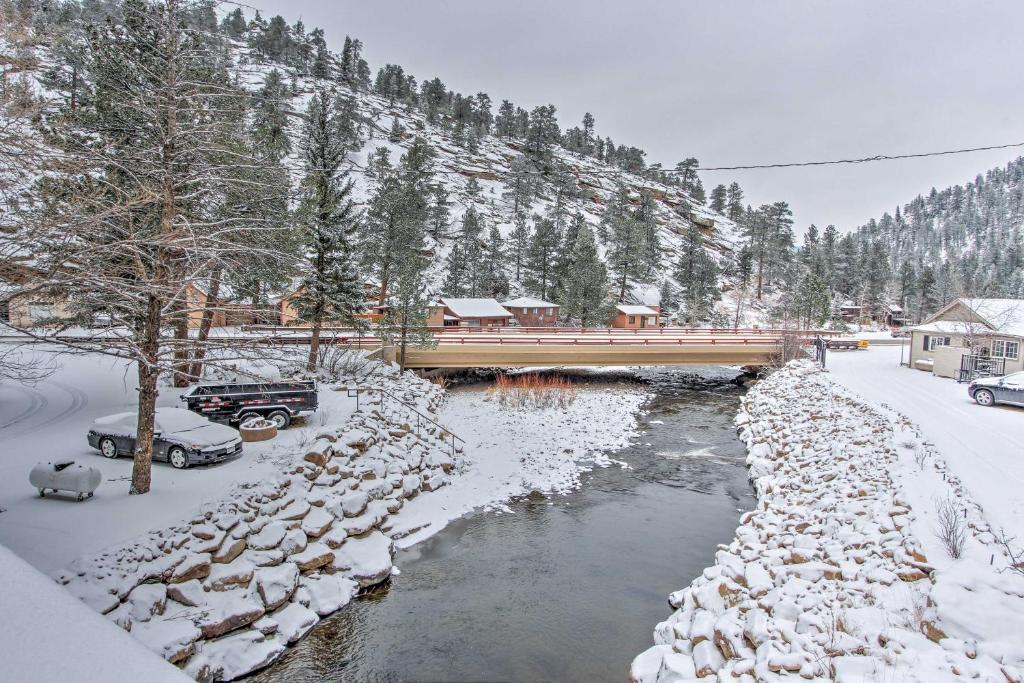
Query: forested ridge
{"type": "Point", "coordinates": [454, 194]}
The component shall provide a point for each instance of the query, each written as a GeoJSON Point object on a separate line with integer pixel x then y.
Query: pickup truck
{"type": "Point", "coordinates": [278, 402]}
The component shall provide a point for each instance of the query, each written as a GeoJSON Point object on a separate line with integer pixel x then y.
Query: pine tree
{"type": "Point", "coordinates": [330, 288]}
{"type": "Point", "coordinates": [586, 289]}
{"type": "Point", "coordinates": [504, 122]}
{"type": "Point", "coordinates": [519, 245]}
{"type": "Point", "coordinates": [439, 213]}
{"type": "Point", "coordinates": [398, 215]}
{"type": "Point", "coordinates": [397, 131]}
{"type": "Point", "coordinates": [492, 255]}
{"type": "Point", "coordinates": [541, 258]}
{"type": "Point", "coordinates": [734, 202]}
{"type": "Point", "coordinates": [405, 319]}
{"type": "Point", "coordinates": [719, 199]}
{"type": "Point", "coordinates": [321, 57]}
{"type": "Point", "coordinates": [697, 274]}
{"type": "Point", "coordinates": [271, 117]}
{"type": "Point", "coordinates": [668, 297]}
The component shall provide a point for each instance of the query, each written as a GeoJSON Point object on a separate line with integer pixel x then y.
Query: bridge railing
{"type": "Point", "coordinates": [653, 331]}
{"type": "Point", "coordinates": [611, 341]}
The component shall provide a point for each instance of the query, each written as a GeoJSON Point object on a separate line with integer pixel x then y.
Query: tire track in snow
{"type": "Point", "coordinates": [37, 403]}
{"type": "Point", "coordinates": [79, 400]}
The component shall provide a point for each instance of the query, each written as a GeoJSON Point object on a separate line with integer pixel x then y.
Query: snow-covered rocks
{"type": "Point", "coordinates": [277, 584]}
{"type": "Point", "coordinates": [226, 592]}
{"type": "Point", "coordinates": [828, 579]}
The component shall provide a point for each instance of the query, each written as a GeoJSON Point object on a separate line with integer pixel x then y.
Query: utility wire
{"type": "Point", "coordinates": [877, 157]}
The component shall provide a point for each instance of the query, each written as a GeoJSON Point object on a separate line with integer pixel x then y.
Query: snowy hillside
{"type": "Point", "coordinates": [491, 166]}
{"type": "Point", "coordinates": [480, 175]}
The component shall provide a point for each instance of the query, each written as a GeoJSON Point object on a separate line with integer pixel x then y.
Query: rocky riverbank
{"type": "Point", "coordinates": [838, 574]}
{"type": "Point", "coordinates": [228, 591]}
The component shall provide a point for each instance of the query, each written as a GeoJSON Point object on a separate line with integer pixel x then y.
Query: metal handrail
{"type": "Point", "coordinates": [420, 416]}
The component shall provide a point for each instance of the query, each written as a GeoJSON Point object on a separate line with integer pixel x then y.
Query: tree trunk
{"type": "Point", "coordinates": [205, 324]}
{"type": "Point", "coordinates": [181, 360]}
{"type": "Point", "coordinates": [149, 338]}
{"type": "Point", "coordinates": [314, 343]}
{"type": "Point", "coordinates": [760, 276]}
{"type": "Point", "coordinates": [384, 277]}
{"type": "Point", "coordinates": [149, 371]}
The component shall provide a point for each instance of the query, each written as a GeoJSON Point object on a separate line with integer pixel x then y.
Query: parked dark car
{"type": "Point", "coordinates": [180, 437]}
{"type": "Point", "coordinates": [278, 402]}
{"type": "Point", "coordinates": [989, 391]}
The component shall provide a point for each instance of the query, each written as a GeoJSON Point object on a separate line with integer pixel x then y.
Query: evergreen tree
{"type": "Point", "coordinates": [697, 274]}
{"type": "Point", "coordinates": [271, 117]}
{"type": "Point", "coordinates": [719, 199]}
{"type": "Point", "coordinates": [541, 258]}
{"type": "Point", "coordinates": [492, 256]}
{"type": "Point", "coordinates": [519, 245]}
{"type": "Point", "coordinates": [398, 214]}
{"type": "Point", "coordinates": [397, 131]}
{"type": "Point", "coordinates": [734, 202]}
{"type": "Point", "coordinates": [330, 287]}
{"type": "Point", "coordinates": [586, 289]}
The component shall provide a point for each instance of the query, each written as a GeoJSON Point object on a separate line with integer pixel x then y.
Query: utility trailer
{"type": "Point", "coordinates": [278, 402]}
{"type": "Point", "coordinates": [846, 344]}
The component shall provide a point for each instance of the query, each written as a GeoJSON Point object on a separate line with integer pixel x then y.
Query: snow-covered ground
{"type": "Point", "coordinates": [984, 447]}
{"type": "Point", "coordinates": [510, 453]}
{"type": "Point", "coordinates": [52, 636]}
{"type": "Point", "coordinates": [49, 421]}
{"type": "Point", "coordinates": [840, 574]}
{"type": "Point", "coordinates": [220, 568]}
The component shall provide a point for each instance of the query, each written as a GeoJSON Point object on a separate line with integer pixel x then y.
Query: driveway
{"type": "Point", "coordinates": [48, 422]}
{"type": "Point", "coordinates": [982, 446]}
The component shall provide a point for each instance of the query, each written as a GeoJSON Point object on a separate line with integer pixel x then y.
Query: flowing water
{"type": "Point", "coordinates": [566, 587]}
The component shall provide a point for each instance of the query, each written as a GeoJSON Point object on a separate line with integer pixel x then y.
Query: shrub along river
{"type": "Point", "coordinates": [566, 587]}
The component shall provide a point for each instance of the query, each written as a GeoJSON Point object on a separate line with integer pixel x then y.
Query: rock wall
{"type": "Point", "coordinates": [826, 579]}
{"type": "Point", "coordinates": [226, 593]}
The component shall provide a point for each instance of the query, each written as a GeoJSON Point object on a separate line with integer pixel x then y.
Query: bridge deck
{"type": "Point", "coordinates": [542, 352]}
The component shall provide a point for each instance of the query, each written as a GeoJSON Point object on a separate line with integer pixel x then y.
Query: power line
{"type": "Point", "coordinates": [877, 157]}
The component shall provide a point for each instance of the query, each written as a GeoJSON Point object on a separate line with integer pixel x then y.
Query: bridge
{"type": "Point", "coordinates": [526, 347]}
{"type": "Point", "coordinates": [546, 347]}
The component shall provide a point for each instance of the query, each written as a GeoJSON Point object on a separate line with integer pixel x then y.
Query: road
{"type": "Point", "coordinates": [983, 446]}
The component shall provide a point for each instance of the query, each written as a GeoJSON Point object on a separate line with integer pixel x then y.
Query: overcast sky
{"type": "Point", "coordinates": [732, 82]}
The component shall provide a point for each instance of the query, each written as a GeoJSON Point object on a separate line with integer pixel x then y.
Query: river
{"type": "Point", "coordinates": [565, 587]}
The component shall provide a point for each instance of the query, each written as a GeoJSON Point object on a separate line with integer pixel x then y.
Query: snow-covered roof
{"type": "Point", "coordinates": [944, 327]}
{"type": "Point", "coordinates": [636, 310]}
{"type": "Point", "coordinates": [1002, 315]}
{"type": "Point", "coordinates": [476, 308]}
{"type": "Point", "coordinates": [528, 302]}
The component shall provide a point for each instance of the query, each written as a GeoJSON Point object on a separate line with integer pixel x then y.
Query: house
{"type": "Point", "coordinates": [196, 296]}
{"type": "Point", "coordinates": [969, 338]}
{"type": "Point", "coordinates": [530, 312]}
{"type": "Point", "coordinates": [636, 317]}
{"type": "Point", "coordinates": [893, 316]}
{"type": "Point", "coordinates": [24, 306]}
{"type": "Point", "coordinates": [472, 313]}
{"type": "Point", "coordinates": [851, 312]}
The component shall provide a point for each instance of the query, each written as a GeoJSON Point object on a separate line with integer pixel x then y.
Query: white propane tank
{"type": "Point", "coordinates": [65, 476]}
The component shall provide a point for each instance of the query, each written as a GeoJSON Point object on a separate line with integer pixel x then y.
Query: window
{"type": "Point", "coordinates": [652, 320]}
{"type": "Point", "coordinates": [932, 342]}
{"type": "Point", "coordinates": [39, 311]}
{"type": "Point", "coordinates": [632, 320]}
{"type": "Point", "coordinates": [551, 311]}
{"type": "Point", "coordinates": [1002, 348]}
{"type": "Point", "coordinates": [535, 311]}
